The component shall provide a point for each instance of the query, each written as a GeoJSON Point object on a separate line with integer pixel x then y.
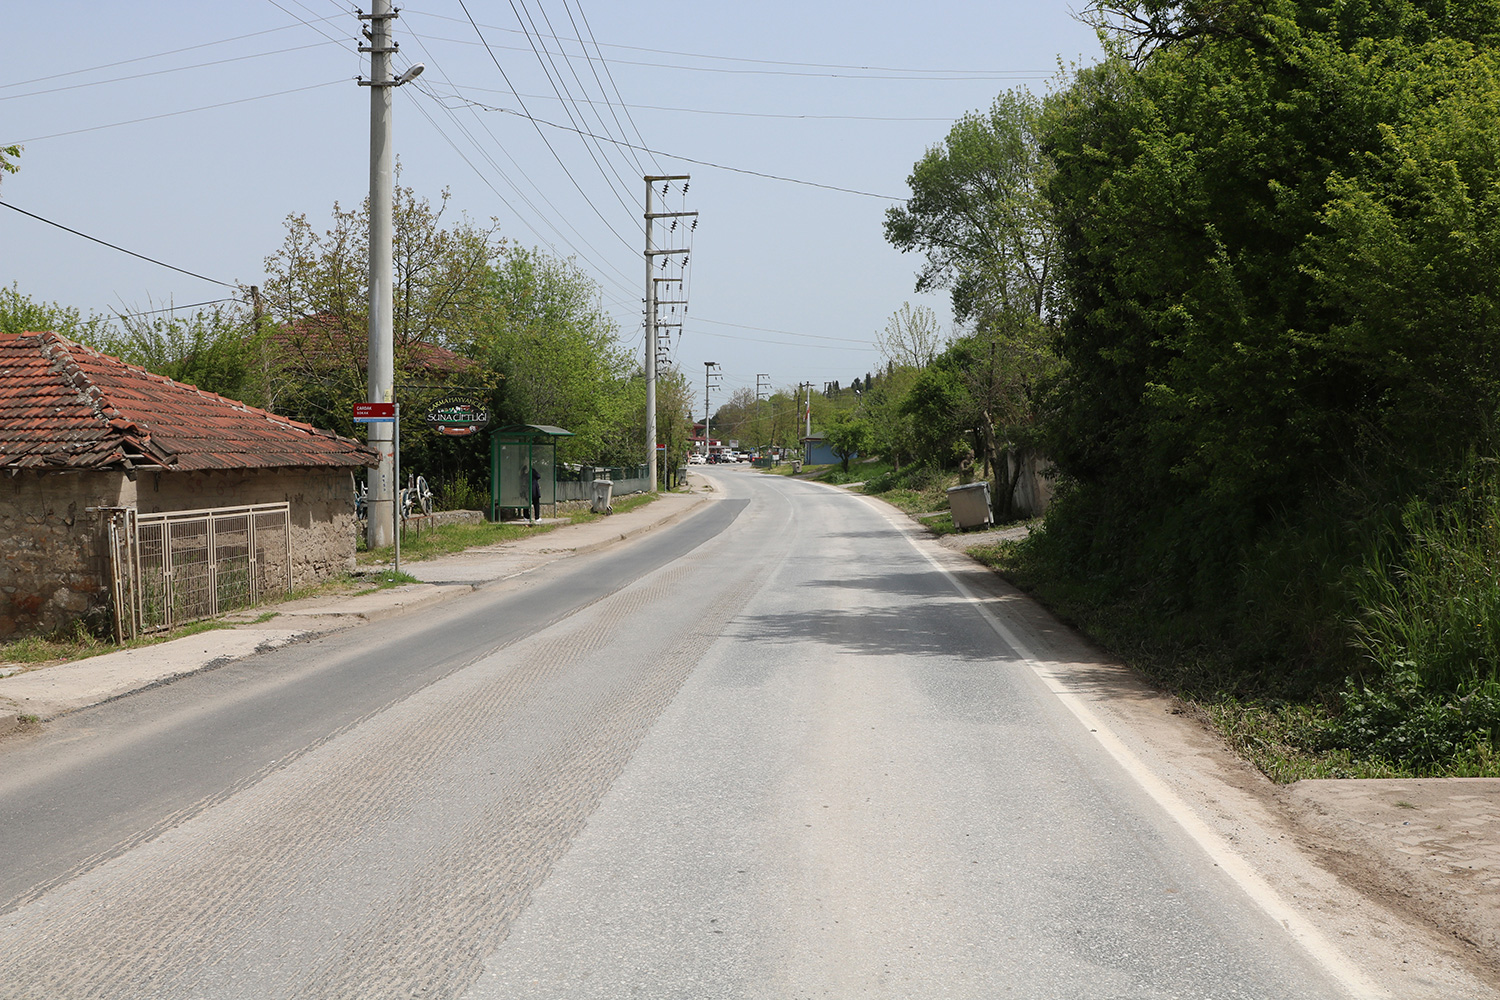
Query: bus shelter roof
{"type": "Point", "coordinates": [529, 432]}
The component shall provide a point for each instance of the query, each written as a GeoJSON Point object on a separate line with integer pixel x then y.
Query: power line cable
{"type": "Point", "coordinates": [584, 90]}
{"type": "Point", "coordinates": [740, 339]}
{"type": "Point", "coordinates": [897, 76]}
{"type": "Point", "coordinates": [313, 24]}
{"type": "Point", "coordinates": [640, 168]}
{"type": "Point", "coordinates": [162, 72]}
{"type": "Point", "coordinates": [520, 194]}
{"type": "Point", "coordinates": [423, 88]}
{"type": "Point", "coordinates": [173, 114]}
{"type": "Point", "coordinates": [495, 59]}
{"type": "Point", "coordinates": [605, 63]}
{"type": "Point", "coordinates": [977, 74]}
{"type": "Point", "coordinates": [789, 333]}
{"type": "Point", "coordinates": [112, 246]}
{"type": "Point", "coordinates": [686, 159]}
{"type": "Point", "coordinates": [733, 114]}
{"type": "Point", "coordinates": [480, 149]}
{"type": "Point", "coordinates": [155, 55]}
{"type": "Point", "coordinates": [558, 82]}
{"type": "Point", "coordinates": [191, 305]}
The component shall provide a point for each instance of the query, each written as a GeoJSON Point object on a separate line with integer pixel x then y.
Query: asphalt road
{"type": "Point", "coordinates": [771, 751]}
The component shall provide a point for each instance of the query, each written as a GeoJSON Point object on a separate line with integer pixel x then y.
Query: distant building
{"type": "Point", "coordinates": [817, 451]}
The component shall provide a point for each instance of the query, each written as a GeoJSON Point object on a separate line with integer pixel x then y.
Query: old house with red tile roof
{"type": "Point", "coordinates": [82, 434]}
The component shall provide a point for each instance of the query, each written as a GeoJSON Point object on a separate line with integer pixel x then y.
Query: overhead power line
{"type": "Point", "coordinates": [906, 73]}
{"type": "Point", "coordinates": [677, 156]}
{"type": "Point", "coordinates": [726, 114]}
{"type": "Point", "coordinates": [615, 86]}
{"type": "Point", "coordinates": [190, 305]}
{"type": "Point", "coordinates": [496, 60]}
{"type": "Point", "coordinates": [739, 339]}
{"type": "Point", "coordinates": [174, 114]}
{"type": "Point", "coordinates": [789, 333]}
{"type": "Point", "coordinates": [112, 246]}
{"type": "Point", "coordinates": [554, 76]}
{"type": "Point", "coordinates": [162, 72]}
{"type": "Point", "coordinates": [156, 55]}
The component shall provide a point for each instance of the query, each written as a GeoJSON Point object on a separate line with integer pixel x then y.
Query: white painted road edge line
{"type": "Point", "coordinates": [1213, 844]}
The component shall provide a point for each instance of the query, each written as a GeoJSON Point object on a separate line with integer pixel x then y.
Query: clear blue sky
{"type": "Point", "coordinates": [788, 279]}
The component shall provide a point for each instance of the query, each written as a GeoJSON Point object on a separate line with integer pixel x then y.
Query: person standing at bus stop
{"type": "Point", "coordinates": [536, 495]}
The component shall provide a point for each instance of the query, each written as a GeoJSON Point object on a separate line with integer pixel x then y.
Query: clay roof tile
{"type": "Point", "coordinates": [64, 405]}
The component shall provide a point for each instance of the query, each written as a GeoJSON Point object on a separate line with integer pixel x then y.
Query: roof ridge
{"type": "Point", "coordinates": [97, 410]}
{"type": "Point", "coordinates": [55, 348]}
{"type": "Point", "coordinates": [238, 404]}
{"type": "Point", "coordinates": [130, 431]}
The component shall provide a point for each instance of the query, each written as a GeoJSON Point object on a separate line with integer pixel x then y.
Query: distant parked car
{"type": "Point", "coordinates": [696, 460]}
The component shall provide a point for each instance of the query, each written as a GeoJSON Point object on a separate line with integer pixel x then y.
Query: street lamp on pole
{"type": "Point", "coordinates": [381, 384]}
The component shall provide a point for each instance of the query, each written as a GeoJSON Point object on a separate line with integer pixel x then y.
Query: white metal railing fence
{"type": "Point", "coordinates": [182, 566]}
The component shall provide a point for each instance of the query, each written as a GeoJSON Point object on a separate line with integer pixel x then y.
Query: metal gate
{"type": "Point", "coordinates": [182, 566]}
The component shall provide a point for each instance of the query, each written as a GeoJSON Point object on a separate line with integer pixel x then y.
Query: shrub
{"type": "Point", "coordinates": [462, 493]}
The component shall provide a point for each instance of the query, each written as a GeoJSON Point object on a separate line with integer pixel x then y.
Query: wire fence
{"type": "Point", "coordinates": [168, 569]}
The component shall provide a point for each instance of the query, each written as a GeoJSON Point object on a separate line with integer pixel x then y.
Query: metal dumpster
{"type": "Point", "coordinates": [603, 491]}
{"type": "Point", "coordinates": [970, 505]}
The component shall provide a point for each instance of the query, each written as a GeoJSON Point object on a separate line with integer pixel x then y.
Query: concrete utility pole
{"type": "Point", "coordinates": [762, 386]}
{"type": "Point", "coordinates": [808, 387]}
{"type": "Point", "coordinates": [708, 375]}
{"type": "Point", "coordinates": [381, 356]}
{"type": "Point", "coordinates": [651, 361]}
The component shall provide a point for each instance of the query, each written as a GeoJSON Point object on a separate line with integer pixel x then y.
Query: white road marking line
{"type": "Point", "coordinates": [1312, 941]}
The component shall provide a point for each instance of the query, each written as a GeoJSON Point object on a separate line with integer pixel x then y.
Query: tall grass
{"type": "Point", "coordinates": [1358, 635]}
{"type": "Point", "coordinates": [1428, 625]}
{"type": "Point", "coordinates": [916, 489]}
{"type": "Point", "coordinates": [1431, 600]}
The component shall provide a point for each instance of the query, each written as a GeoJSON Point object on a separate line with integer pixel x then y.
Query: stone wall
{"type": "Point", "coordinates": [323, 526]}
{"type": "Point", "coordinates": [54, 560]}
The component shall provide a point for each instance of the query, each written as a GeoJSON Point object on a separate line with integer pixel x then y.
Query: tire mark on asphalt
{"type": "Point", "coordinates": [391, 860]}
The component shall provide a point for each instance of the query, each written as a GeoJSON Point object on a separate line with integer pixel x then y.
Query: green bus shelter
{"type": "Point", "coordinates": [515, 452]}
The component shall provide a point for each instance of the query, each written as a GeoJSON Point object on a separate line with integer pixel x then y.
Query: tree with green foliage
{"type": "Point", "coordinates": [848, 435]}
{"type": "Point", "coordinates": [937, 404]}
{"type": "Point", "coordinates": [912, 337]}
{"type": "Point", "coordinates": [892, 428]}
{"type": "Point", "coordinates": [316, 333]}
{"type": "Point", "coordinates": [20, 313]}
{"type": "Point", "coordinates": [214, 350]}
{"type": "Point", "coordinates": [979, 213]}
{"type": "Point", "coordinates": [674, 422]}
{"type": "Point", "coordinates": [8, 155]}
{"type": "Point", "coordinates": [1002, 374]}
{"type": "Point", "coordinates": [558, 353]}
{"type": "Point", "coordinates": [317, 292]}
{"type": "Point", "coordinates": [735, 419]}
{"type": "Point", "coordinates": [1280, 235]}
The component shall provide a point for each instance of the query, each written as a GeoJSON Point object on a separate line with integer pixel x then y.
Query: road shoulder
{"type": "Point", "coordinates": [1408, 892]}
